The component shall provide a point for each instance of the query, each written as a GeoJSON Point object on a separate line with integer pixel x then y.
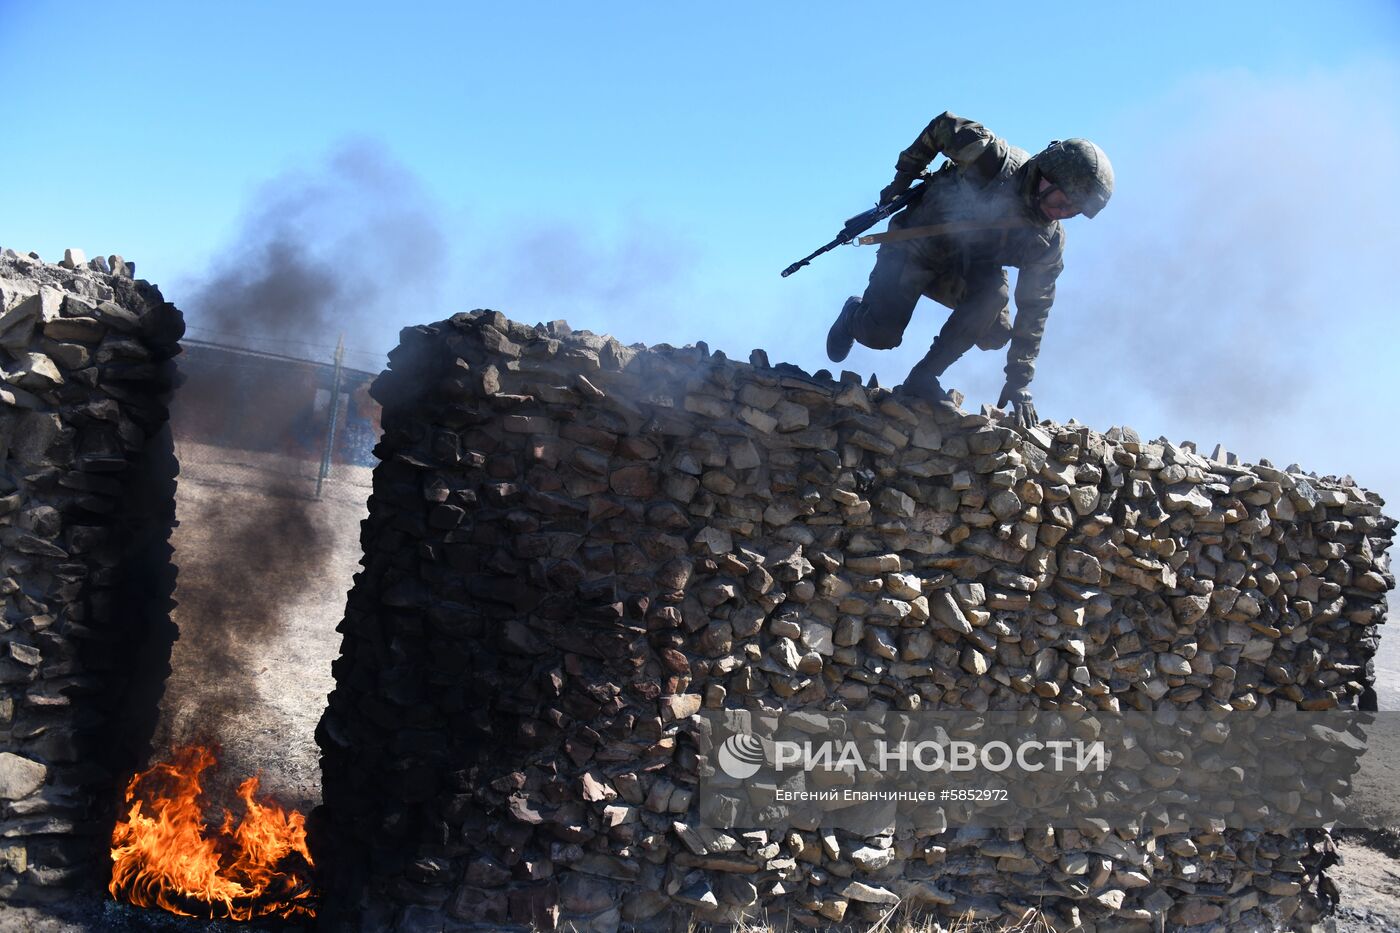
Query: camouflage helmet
{"type": "Point", "coordinates": [1081, 170]}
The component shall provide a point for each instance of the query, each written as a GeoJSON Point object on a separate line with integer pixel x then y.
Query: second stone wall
{"type": "Point", "coordinates": [574, 546]}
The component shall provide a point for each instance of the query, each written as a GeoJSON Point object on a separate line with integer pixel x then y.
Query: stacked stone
{"type": "Point", "coordinates": [86, 505]}
{"type": "Point", "coordinates": [575, 546]}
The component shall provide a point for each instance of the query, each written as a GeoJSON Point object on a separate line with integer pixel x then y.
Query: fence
{"type": "Point", "coordinates": [237, 398]}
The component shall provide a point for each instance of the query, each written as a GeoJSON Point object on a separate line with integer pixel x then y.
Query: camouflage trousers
{"type": "Point", "coordinates": [978, 297]}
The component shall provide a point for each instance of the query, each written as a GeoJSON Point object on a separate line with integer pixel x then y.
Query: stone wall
{"type": "Point", "coordinates": [86, 506]}
{"type": "Point", "coordinates": [574, 546]}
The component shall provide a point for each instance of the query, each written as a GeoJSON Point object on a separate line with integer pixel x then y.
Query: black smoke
{"type": "Point", "coordinates": [330, 251]}
{"type": "Point", "coordinates": [340, 248]}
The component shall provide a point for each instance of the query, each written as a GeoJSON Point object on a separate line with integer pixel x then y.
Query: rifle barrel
{"type": "Point", "coordinates": [809, 257]}
{"type": "Point", "coordinates": [859, 224]}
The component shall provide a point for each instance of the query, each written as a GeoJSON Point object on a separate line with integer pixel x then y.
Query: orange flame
{"type": "Point", "coordinates": [164, 855]}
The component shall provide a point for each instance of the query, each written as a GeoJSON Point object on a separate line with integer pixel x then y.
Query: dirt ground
{"type": "Point", "coordinates": [264, 567]}
{"type": "Point", "coordinates": [263, 570]}
{"type": "Point", "coordinates": [1388, 667]}
{"type": "Point", "coordinates": [1369, 879]}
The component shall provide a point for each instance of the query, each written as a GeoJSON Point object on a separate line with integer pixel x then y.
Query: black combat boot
{"type": "Point", "coordinates": [922, 382]}
{"type": "Point", "coordinates": [839, 338]}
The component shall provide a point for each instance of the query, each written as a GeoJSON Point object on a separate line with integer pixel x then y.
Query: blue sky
{"type": "Point", "coordinates": [647, 170]}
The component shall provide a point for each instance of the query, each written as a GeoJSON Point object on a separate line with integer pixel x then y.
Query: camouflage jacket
{"type": "Point", "coordinates": [986, 180]}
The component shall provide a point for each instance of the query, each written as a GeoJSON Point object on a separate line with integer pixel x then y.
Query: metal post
{"type": "Point", "coordinates": [334, 411]}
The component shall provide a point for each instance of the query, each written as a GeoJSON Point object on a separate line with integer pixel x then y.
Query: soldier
{"type": "Point", "coordinates": [990, 205]}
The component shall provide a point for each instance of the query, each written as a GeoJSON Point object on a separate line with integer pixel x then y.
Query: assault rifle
{"type": "Point", "coordinates": [861, 223]}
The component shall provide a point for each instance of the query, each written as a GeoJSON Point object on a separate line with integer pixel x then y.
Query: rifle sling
{"type": "Point", "coordinates": [914, 233]}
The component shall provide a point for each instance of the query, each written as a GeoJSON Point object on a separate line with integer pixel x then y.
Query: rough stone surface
{"type": "Point", "coordinates": [864, 552]}
{"type": "Point", "coordinates": [20, 777]}
{"type": "Point", "coordinates": [86, 507]}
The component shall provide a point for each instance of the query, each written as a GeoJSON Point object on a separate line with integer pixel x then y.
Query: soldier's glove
{"type": "Point", "coordinates": [901, 183]}
{"type": "Point", "coordinates": [1021, 406]}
